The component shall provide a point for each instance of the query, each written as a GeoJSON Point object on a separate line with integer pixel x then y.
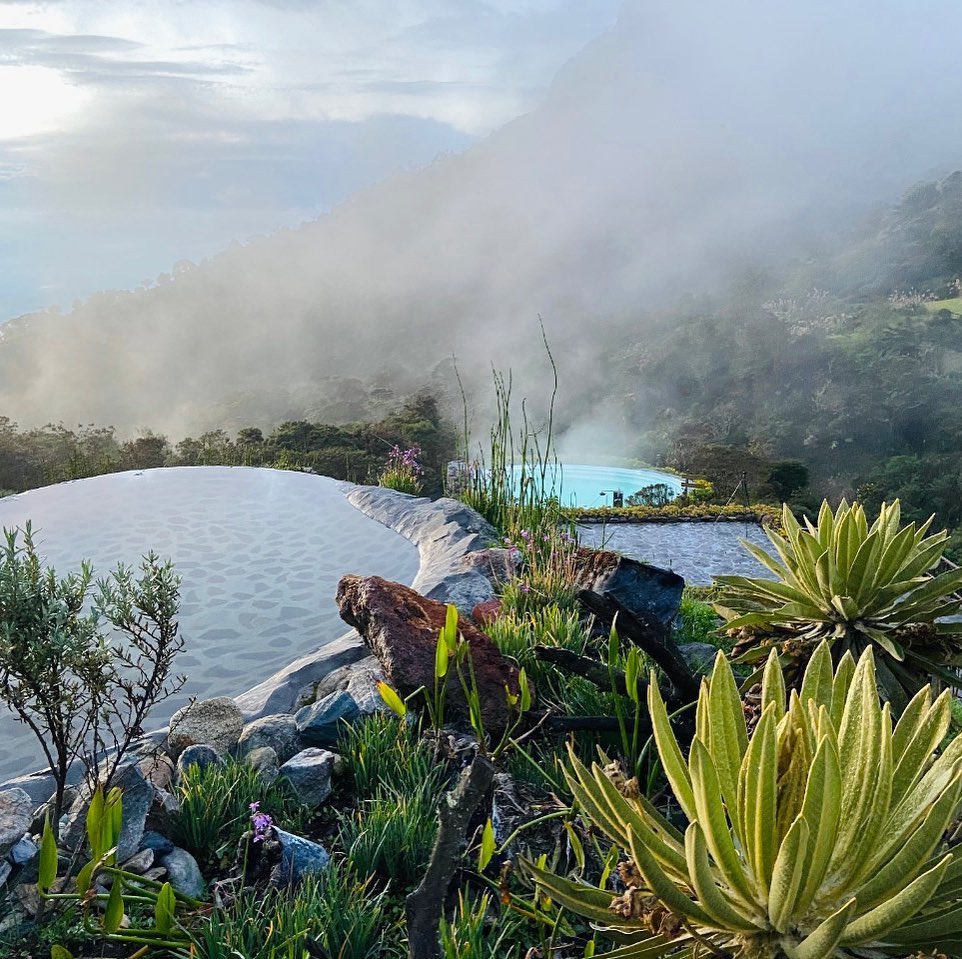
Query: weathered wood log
{"type": "Point", "coordinates": [589, 669]}
{"type": "Point", "coordinates": [424, 906]}
{"type": "Point", "coordinates": [651, 637]}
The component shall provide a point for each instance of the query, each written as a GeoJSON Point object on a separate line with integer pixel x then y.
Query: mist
{"type": "Point", "coordinates": [685, 145]}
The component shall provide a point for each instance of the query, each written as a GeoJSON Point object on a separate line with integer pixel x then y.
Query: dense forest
{"type": "Point", "coordinates": [849, 361]}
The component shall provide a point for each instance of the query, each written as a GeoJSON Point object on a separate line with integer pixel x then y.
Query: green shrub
{"type": "Point", "coordinates": [854, 585]}
{"type": "Point", "coordinates": [215, 809]}
{"type": "Point", "coordinates": [83, 663]}
{"type": "Point", "coordinates": [698, 623]}
{"type": "Point", "coordinates": [819, 836]}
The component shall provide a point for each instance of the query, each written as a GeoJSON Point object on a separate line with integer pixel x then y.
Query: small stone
{"type": "Point", "coordinates": [487, 612]}
{"type": "Point", "coordinates": [183, 873]}
{"type": "Point", "coordinates": [264, 760]}
{"type": "Point", "coordinates": [16, 814]}
{"type": "Point", "coordinates": [699, 656]}
{"type": "Point", "coordinates": [23, 851]}
{"type": "Point", "coordinates": [320, 724]}
{"type": "Point", "coordinates": [278, 731]}
{"type": "Point", "coordinates": [200, 755]}
{"type": "Point", "coordinates": [5, 870]}
{"type": "Point", "coordinates": [157, 842]}
{"type": "Point", "coordinates": [140, 862]}
{"type": "Point", "coordinates": [156, 873]}
{"type": "Point", "coordinates": [299, 857]}
{"type": "Point", "coordinates": [213, 722]}
{"type": "Point", "coordinates": [309, 773]}
{"type": "Point", "coordinates": [163, 810]}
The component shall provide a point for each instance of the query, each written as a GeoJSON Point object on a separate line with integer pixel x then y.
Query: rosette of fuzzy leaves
{"type": "Point", "coordinates": [848, 582]}
{"type": "Point", "coordinates": [818, 836]}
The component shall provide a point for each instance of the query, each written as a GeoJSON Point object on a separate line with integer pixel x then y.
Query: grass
{"type": "Point", "coordinates": [334, 915]}
{"type": "Point", "coordinates": [215, 810]}
{"type": "Point", "coordinates": [953, 305]}
{"type": "Point", "coordinates": [475, 932]}
{"type": "Point", "coordinates": [383, 752]}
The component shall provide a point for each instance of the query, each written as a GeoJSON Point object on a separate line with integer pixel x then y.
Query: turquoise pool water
{"type": "Point", "coordinates": [582, 485]}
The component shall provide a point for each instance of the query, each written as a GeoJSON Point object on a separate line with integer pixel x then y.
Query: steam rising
{"type": "Point", "coordinates": [688, 141]}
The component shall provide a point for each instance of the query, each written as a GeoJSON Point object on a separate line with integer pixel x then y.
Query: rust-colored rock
{"type": "Point", "coordinates": [401, 627]}
{"type": "Point", "coordinates": [487, 612]}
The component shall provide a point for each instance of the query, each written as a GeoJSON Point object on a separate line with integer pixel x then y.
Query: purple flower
{"type": "Point", "coordinates": [524, 587]}
{"type": "Point", "coordinates": [261, 822]}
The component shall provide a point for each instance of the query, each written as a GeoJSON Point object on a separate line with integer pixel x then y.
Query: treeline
{"type": "Point", "coordinates": [356, 452]}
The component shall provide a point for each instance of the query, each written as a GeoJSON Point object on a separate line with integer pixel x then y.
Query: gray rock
{"type": "Point", "coordinates": [200, 755]}
{"type": "Point", "coordinates": [699, 656]}
{"type": "Point", "coordinates": [264, 760]}
{"type": "Point", "coordinates": [157, 842]}
{"type": "Point", "coordinates": [157, 768]}
{"type": "Point", "coordinates": [5, 870]}
{"type": "Point", "coordinates": [320, 724]}
{"type": "Point", "coordinates": [16, 814]}
{"type": "Point", "coordinates": [24, 851]}
{"type": "Point", "coordinates": [645, 590]}
{"type": "Point", "coordinates": [309, 772]}
{"type": "Point", "coordinates": [299, 857]}
{"type": "Point", "coordinates": [362, 685]}
{"type": "Point", "coordinates": [212, 722]}
{"type": "Point", "coordinates": [278, 731]}
{"type": "Point", "coordinates": [140, 862]}
{"type": "Point", "coordinates": [138, 797]}
{"type": "Point", "coordinates": [162, 811]}
{"type": "Point", "coordinates": [183, 873]}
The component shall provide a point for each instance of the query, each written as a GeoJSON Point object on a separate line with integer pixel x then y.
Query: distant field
{"type": "Point", "coordinates": [954, 305]}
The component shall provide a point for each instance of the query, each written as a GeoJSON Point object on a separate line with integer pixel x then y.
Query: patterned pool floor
{"type": "Point", "coordinates": [696, 551]}
{"type": "Point", "coordinates": [260, 552]}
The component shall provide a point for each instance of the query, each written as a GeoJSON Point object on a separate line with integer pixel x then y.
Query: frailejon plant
{"type": "Point", "coordinates": [820, 835]}
{"type": "Point", "coordinates": [854, 585]}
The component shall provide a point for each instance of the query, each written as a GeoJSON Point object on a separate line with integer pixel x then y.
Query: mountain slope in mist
{"type": "Point", "coordinates": [679, 146]}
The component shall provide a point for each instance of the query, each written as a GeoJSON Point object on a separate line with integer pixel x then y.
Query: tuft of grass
{"type": "Point", "coordinates": [475, 932]}
{"type": "Point", "coordinates": [384, 752]}
{"type": "Point", "coordinates": [215, 809]}
{"type": "Point", "coordinates": [333, 915]}
{"type": "Point", "coordinates": [391, 835]}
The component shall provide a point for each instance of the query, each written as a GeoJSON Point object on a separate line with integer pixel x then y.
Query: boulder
{"type": "Point", "coordinates": [24, 851]}
{"type": "Point", "coordinates": [16, 814]}
{"type": "Point", "coordinates": [156, 841]}
{"type": "Point", "coordinates": [299, 857]}
{"type": "Point", "coordinates": [647, 591]}
{"type": "Point", "coordinates": [401, 627]}
{"type": "Point", "coordinates": [209, 722]}
{"type": "Point", "coordinates": [183, 873]}
{"type": "Point", "coordinates": [362, 685]}
{"type": "Point", "coordinates": [309, 773]}
{"type": "Point", "coordinates": [278, 731]}
{"type": "Point", "coordinates": [320, 724]}
{"type": "Point", "coordinates": [200, 755]}
{"type": "Point", "coordinates": [699, 656]}
{"type": "Point", "coordinates": [264, 760]}
{"type": "Point", "coordinates": [487, 612]}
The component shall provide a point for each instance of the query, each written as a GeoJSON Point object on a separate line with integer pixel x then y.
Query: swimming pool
{"type": "Point", "coordinates": [260, 552]}
{"type": "Point", "coordinates": [578, 484]}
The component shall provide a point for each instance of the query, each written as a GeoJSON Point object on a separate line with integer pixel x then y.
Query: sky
{"type": "Point", "coordinates": [136, 135]}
